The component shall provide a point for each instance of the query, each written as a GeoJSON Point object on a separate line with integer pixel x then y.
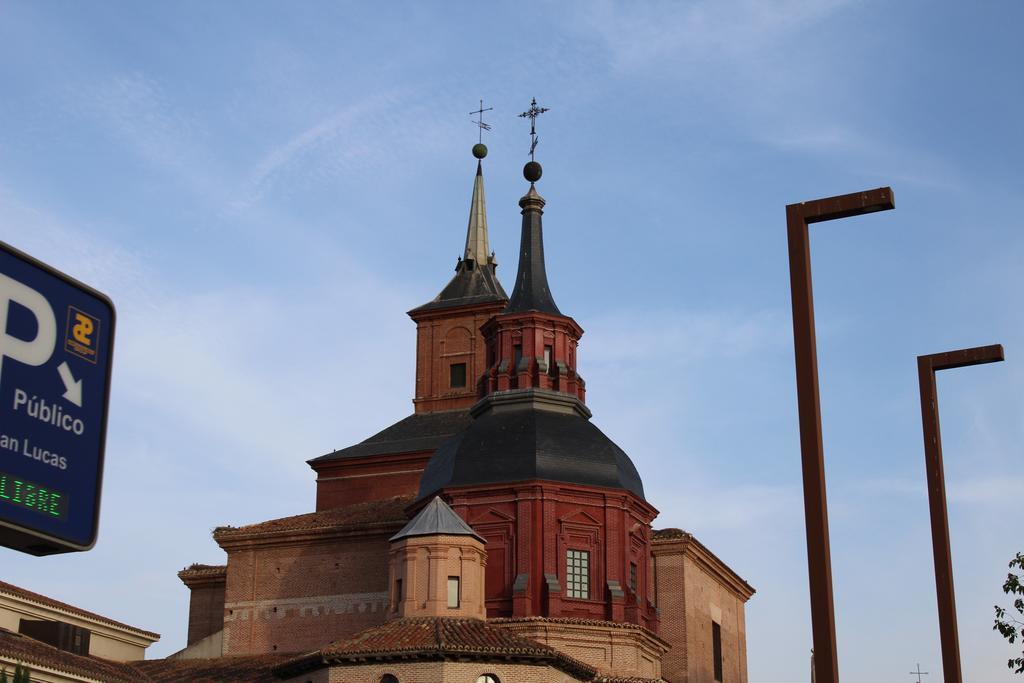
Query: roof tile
{"type": "Point", "coordinates": [33, 652]}
{"type": "Point", "coordinates": [436, 637]}
{"type": "Point", "coordinates": [377, 512]}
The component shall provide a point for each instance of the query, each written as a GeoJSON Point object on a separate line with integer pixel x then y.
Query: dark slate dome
{"type": "Point", "coordinates": [523, 442]}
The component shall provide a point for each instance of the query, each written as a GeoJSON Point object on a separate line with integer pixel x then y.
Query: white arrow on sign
{"type": "Point", "coordinates": [72, 386]}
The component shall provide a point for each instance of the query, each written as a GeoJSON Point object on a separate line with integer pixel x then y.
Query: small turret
{"type": "Point", "coordinates": [437, 566]}
{"type": "Point", "coordinates": [449, 348]}
{"type": "Point", "coordinates": [532, 344]}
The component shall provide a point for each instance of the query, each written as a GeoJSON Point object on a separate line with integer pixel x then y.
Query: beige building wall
{"type": "Point", "coordinates": [120, 643]}
{"type": "Point", "coordinates": [41, 674]}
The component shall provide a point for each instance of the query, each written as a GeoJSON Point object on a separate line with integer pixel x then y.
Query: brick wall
{"type": "Point", "coordinates": [348, 481]}
{"type": "Point", "coordinates": [206, 600]}
{"type": "Point", "coordinates": [694, 589]}
{"type": "Point", "coordinates": [298, 597]}
{"type": "Point", "coordinates": [424, 563]}
{"type": "Point", "coordinates": [671, 600]}
{"type": "Point", "coordinates": [205, 611]}
{"type": "Point", "coordinates": [447, 337]}
{"type": "Point", "coordinates": [622, 650]}
{"type": "Point", "coordinates": [529, 528]}
{"type": "Point", "coordinates": [708, 600]}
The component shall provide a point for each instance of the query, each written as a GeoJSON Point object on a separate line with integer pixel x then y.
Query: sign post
{"type": "Point", "coordinates": [56, 344]}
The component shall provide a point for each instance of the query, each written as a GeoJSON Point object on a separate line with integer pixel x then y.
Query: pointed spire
{"type": "Point", "coordinates": [477, 247]}
{"type": "Point", "coordinates": [532, 292]}
{"type": "Point", "coordinates": [475, 280]}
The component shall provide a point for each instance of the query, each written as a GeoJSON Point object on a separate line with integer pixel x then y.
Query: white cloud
{"type": "Point", "coordinates": [136, 110]}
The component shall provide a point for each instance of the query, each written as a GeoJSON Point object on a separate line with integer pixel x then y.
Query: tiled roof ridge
{"type": "Point", "coordinates": [37, 653]}
{"type": "Point", "coordinates": [418, 432]}
{"type": "Point", "coordinates": [669, 532]}
{"type": "Point", "coordinates": [45, 601]}
{"type": "Point", "coordinates": [238, 668]}
{"type": "Point", "coordinates": [444, 639]}
{"type": "Point", "coordinates": [323, 519]}
{"type": "Point", "coordinates": [197, 569]}
{"type": "Point", "coordinates": [570, 620]}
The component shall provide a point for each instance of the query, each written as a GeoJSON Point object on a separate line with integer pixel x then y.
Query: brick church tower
{"type": "Point", "coordinates": [449, 359]}
{"type": "Point", "coordinates": [449, 348]}
{"type": "Point", "coordinates": [495, 530]}
{"type": "Point", "coordinates": [561, 506]}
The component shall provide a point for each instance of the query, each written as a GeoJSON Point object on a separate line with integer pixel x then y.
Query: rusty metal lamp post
{"type": "Point", "coordinates": [926, 369]}
{"type": "Point", "coordinates": [819, 563]}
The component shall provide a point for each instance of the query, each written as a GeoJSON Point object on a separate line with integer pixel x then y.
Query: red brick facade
{"type": "Point", "coordinates": [347, 481]}
{"type": "Point", "coordinates": [529, 527]}
{"type": "Point", "coordinates": [445, 337]}
{"type": "Point", "coordinates": [532, 350]}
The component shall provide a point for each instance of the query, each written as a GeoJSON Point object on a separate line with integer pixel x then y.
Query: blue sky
{"type": "Point", "coordinates": [265, 188]}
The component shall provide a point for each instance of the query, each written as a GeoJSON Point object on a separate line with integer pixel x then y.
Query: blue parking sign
{"type": "Point", "coordinates": [56, 344]}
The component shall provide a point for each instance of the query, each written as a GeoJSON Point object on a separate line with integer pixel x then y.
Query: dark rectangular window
{"type": "Point", "coordinates": [716, 646]}
{"type": "Point", "coordinates": [458, 375]}
{"type": "Point", "coordinates": [577, 574]}
{"type": "Point", "coordinates": [517, 354]}
{"type": "Point", "coordinates": [632, 576]}
{"type": "Point", "coordinates": [398, 591]}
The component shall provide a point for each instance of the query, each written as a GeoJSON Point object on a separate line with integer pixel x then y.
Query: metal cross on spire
{"type": "Point", "coordinates": [532, 113]}
{"type": "Point", "coordinates": [480, 122]}
{"type": "Point", "coordinates": [919, 673]}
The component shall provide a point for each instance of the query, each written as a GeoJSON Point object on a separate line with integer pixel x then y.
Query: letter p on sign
{"type": "Point", "coordinates": [38, 350]}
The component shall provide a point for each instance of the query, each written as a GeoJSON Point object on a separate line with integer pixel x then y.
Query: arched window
{"type": "Point", "coordinates": [488, 678]}
{"type": "Point", "coordinates": [388, 678]}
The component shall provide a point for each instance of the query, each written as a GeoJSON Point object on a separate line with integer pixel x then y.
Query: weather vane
{"type": "Point", "coordinates": [532, 113]}
{"type": "Point", "coordinates": [480, 122]}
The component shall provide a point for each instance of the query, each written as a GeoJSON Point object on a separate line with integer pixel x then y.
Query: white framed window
{"type": "Point", "coordinates": [577, 574]}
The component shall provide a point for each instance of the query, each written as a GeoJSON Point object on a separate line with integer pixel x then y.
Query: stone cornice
{"type": "Point", "coordinates": [542, 399]}
{"type": "Point", "coordinates": [199, 575]}
{"type": "Point", "coordinates": [444, 312]}
{"type": "Point", "coordinates": [689, 546]}
{"type": "Point", "coordinates": [537, 318]}
{"type": "Point", "coordinates": [656, 642]}
{"type": "Point", "coordinates": [235, 539]}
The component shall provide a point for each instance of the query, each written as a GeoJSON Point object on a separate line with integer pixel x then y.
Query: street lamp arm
{"type": "Point", "coordinates": [844, 206]}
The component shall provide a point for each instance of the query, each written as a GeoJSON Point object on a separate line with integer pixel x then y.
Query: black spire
{"type": "Point", "coordinates": [532, 292]}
